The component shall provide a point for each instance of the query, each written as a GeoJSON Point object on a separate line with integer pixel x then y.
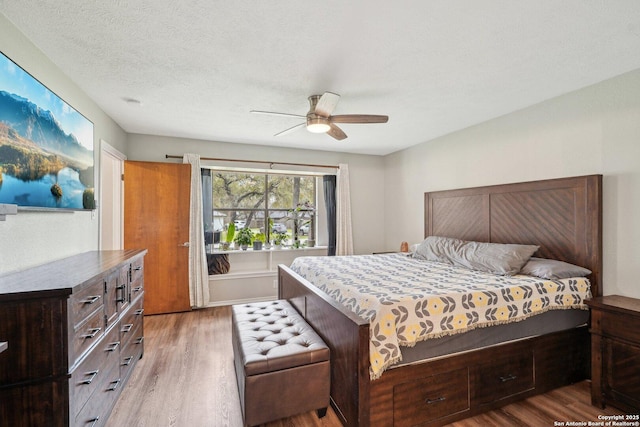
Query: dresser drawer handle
{"type": "Point", "coordinates": [92, 333]}
{"type": "Point", "coordinates": [91, 299]}
{"type": "Point", "coordinates": [127, 361]}
{"type": "Point", "coordinates": [509, 377]}
{"type": "Point", "coordinates": [93, 421]}
{"type": "Point", "coordinates": [114, 385]}
{"type": "Point", "coordinates": [137, 289]}
{"type": "Point", "coordinates": [127, 327]}
{"type": "Point", "coordinates": [113, 346]}
{"type": "Point", "coordinates": [138, 268]}
{"type": "Point", "coordinates": [436, 400]}
{"type": "Point", "coordinates": [92, 376]}
{"type": "Point", "coordinates": [139, 311]}
{"type": "Point", "coordinates": [140, 340]}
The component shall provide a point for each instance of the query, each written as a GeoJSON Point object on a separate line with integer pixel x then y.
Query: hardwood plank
{"type": "Point", "coordinates": [186, 378]}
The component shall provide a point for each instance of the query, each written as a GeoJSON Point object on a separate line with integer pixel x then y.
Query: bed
{"type": "Point", "coordinates": [561, 216]}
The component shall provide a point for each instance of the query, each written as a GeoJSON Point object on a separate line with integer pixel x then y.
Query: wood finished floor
{"type": "Point", "coordinates": [186, 379]}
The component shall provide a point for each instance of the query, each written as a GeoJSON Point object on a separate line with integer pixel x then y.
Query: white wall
{"type": "Point", "coordinates": [595, 130]}
{"type": "Point", "coordinates": [366, 175]}
{"type": "Point", "coordinates": [31, 238]}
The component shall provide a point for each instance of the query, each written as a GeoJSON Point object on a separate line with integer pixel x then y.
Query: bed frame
{"type": "Point", "coordinates": [563, 216]}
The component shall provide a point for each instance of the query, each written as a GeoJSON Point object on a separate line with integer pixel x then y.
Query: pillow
{"type": "Point", "coordinates": [413, 247]}
{"type": "Point", "coordinates": [553, 269]}
{"type": "Point", "coordinates": [496, 258]}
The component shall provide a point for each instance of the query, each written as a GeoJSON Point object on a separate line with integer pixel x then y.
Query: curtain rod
{"type": "Point", "coordinates": [173, 156]}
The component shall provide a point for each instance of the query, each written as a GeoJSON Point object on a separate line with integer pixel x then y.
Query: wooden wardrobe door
{"type": "Point", "coordinates": [156, 217]}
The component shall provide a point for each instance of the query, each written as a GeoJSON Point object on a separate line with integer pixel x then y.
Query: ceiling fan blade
{"type": "Point", "coordinates": [336, 132]}
{"type": "Point", "coordinates": [359, 118]}
{"type": "Point", "coordinates": [290, 130]}
{"type": "Point", "coordinates": [273, 113]}
{"type": "Point", "coordinates": [326, 104]}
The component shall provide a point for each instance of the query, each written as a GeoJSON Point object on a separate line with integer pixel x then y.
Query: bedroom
{"type": "Point", "coordinates": [594, 129]}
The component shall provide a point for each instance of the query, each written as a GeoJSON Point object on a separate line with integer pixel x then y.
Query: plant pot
{"type": "Point", "coordinates": [257, 246]}
{"type": "Point", "coordinates": [311, 243]}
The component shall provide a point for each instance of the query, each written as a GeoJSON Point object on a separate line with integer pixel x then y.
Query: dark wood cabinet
{"type": "Point", "coordinates": [615, 346]}
{"type": "Point", "coordinates": [72, 331]}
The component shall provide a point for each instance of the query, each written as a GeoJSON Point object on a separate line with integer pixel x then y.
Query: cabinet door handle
{"type": "Point", "coordinates": [436, 400]}
{"type": "Point", "coordinates": [90, 300]}
{"type": "Point", "coordinates": [123, 291]}
{"type": "Point", "coordinates": [137, 289]}
{"type": "Point", "coordinates": [127, 361]}
{"type": "Point", "coordinates": [127, 327]}
{"type": "Point", "coordinates": [113, 346]}
{"type": "Point", "coordinates": [138, 268]}
{"type": "Point", "coordinates": [92, 333]}
{"type": "Point", "coordinates": [114, 385]}
{"type": "Point", "coordinates": [140, 340]}
{"type": "Point", "coordinates": [93, 421]}
{"type": "Point", "coordinates": [92, 376]}
{"type": "Point", "coordinates": [509, 377]}
{"type": "Point", "coordinates": [139, 311]}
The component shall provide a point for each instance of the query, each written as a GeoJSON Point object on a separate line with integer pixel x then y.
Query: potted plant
{"type": "Point", "coordinates": [231, 231]}
{"type": "Point", "coordinates": [258, 241]}
{"type": "Point", "coordinates": [279, 239]}
{"type": "Point", "coordinates": [244, 238]}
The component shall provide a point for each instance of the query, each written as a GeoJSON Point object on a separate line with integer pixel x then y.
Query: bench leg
{"type": "Point", "coordinates": [321, 412]}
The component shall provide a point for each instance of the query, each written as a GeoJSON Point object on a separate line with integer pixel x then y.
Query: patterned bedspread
{"type": "Point", "coordinates": [408, 300]}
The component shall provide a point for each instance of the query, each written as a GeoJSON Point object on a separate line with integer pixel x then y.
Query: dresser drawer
{"type": "Point", "coordinates": [427, 399]}
{"type": "Point", "coordinates": [131, 353]}
{"type": "Point", "coordinates": [615, 325]}
{"type": "Point", "coordinates": [131, 321]}
{"type": "Point", "coordinates": [86, 302]}
{"type": "Point", "coordinates": [137, 277]}
{"type": "Point", "coordinates": [623, 365]}
{"type": "Point", "coordinates": [96, 411]}
{"type": "Point", "coordinates": [85, 336]}
{"type": "Point", "coordinates": [92, 372]}
{"type": "Point", "coordinates": [502, 377]}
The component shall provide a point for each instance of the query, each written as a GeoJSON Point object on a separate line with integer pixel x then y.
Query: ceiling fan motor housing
{"type": "Point", "coordinates": [317, 124]}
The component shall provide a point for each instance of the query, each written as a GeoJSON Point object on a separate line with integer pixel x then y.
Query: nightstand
{"type": "Point", "coordinates": [615, 352]}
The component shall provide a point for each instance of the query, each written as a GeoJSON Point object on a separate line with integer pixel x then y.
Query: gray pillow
{"type": "Point", "coordinates": [496, 258]}
{"type": "Point", "coordinates": [553, 269]}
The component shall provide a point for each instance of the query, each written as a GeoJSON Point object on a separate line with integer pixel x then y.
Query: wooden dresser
{"type": "Point", "coordinates": [615, 352]}
{"type": "Point", "coordinates": [73, 330]}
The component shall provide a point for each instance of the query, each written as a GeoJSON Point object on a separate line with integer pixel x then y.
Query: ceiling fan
{"type": "Point", "coordinates": [320, 120]}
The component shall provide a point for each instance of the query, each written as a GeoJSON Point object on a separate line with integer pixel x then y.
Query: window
{"type": "Point", "coordinates": [279, 207]}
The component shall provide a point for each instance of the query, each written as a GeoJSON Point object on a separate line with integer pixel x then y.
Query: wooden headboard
{"type": "Point", "coordinates": [563, 216]}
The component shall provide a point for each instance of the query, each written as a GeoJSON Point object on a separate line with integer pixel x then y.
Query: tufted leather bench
{"type": "Point", "coordinates": [282, 365]}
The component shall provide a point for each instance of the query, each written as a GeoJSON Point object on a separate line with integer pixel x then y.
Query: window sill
{"type": "Point", "coordinates": [251, 250]}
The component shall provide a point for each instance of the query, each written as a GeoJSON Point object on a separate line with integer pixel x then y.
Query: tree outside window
{"type": "Point", "coordinates": [277, 205]}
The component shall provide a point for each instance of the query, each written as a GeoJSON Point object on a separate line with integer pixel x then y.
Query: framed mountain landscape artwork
{"type": "Point", "coordinates": [46, 146]}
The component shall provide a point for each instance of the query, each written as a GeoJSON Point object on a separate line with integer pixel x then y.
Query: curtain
{"type": "Point", "coordinates": [198, 270]}
{"type": "Point", "coordinates": [344, 235]}
{"type": "Point", "coordinates": [329, 187]}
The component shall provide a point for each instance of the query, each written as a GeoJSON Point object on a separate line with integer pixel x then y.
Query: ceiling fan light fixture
{"type": "Point", "coordinates": [317, 124]}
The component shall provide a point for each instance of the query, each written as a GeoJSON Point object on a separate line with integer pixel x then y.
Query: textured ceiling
{"type": "Point", "coordinates": [199, 66]}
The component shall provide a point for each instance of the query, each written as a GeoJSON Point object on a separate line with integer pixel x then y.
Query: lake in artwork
{"type": "Point", "coordinates": [38, 192]}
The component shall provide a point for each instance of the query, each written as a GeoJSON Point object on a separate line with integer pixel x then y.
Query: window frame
{"type": "Point", "coordinates": [267, 210]}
